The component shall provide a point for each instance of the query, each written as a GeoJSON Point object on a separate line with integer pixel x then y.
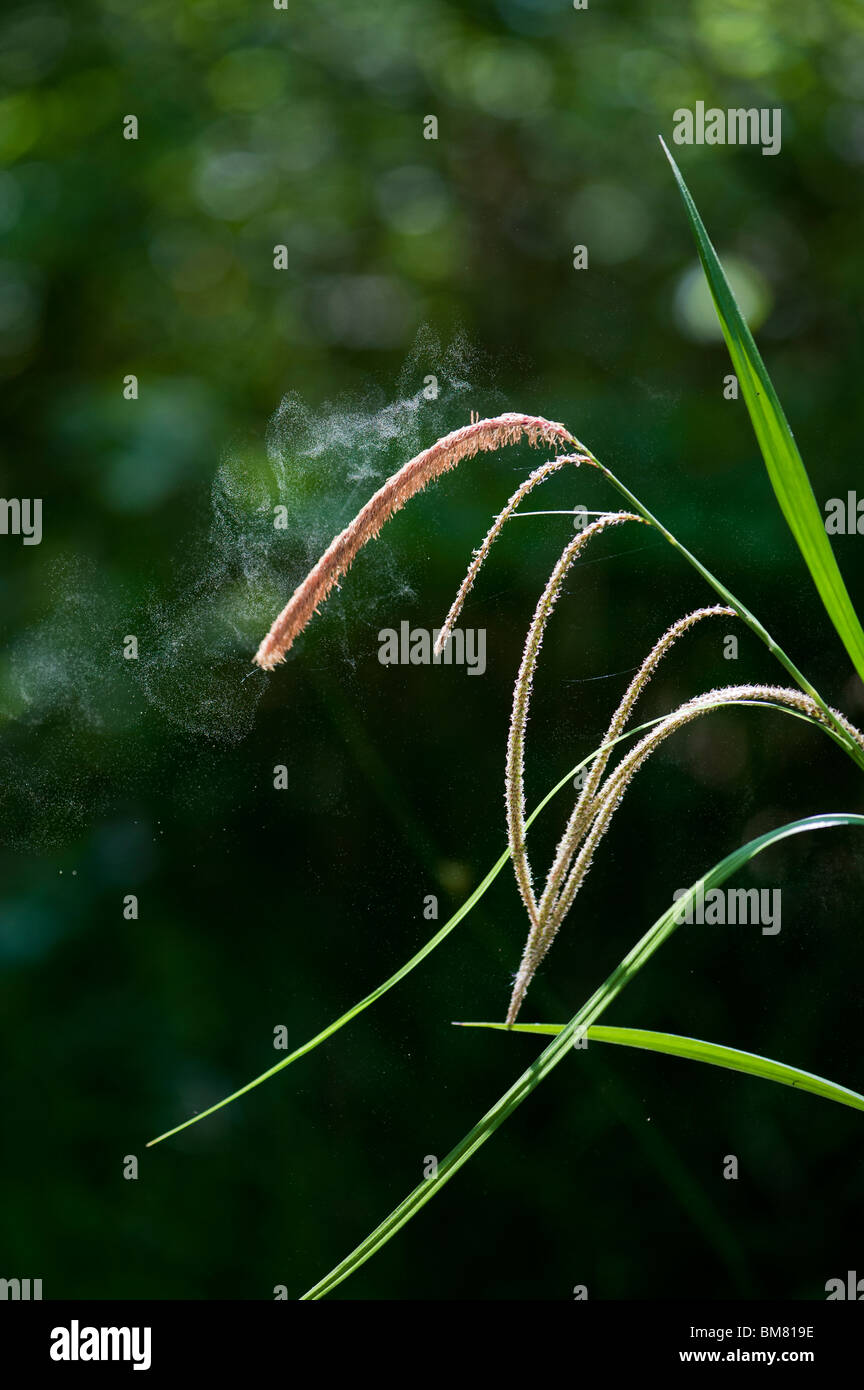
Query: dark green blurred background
{"type": "Point", "coordinates": [409, 257]}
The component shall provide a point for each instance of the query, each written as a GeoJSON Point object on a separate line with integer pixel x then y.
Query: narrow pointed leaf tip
{"type": "Point", "coordinates": [695, 1050]}
{"type": "Point", "coordinates": [782, 458]}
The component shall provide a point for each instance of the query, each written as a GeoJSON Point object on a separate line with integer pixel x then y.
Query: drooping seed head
{"type": "Point", "coordinates": [482, 436]}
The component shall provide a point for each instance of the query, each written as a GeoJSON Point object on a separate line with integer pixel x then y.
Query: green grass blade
{"type": "Point", "coordinates": [441, 935]}
{"type": "Point", "coordinates": [426, 950]}
{"type": "Point", "coordinates": [776, 441]}
{"type": "Point", "coordinates": [695, 1050]}
{"type": "Point", "coordinates": [560, 1046]}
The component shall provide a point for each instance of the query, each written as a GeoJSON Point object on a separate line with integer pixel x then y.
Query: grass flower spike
{"type": "Point", "coordinates": [481, 436]}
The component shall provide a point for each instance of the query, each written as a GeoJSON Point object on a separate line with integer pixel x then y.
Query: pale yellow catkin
{"type": "Point", "coordinates": [481, 553]}
{"type": "Point", "coordinates": [582, 811]}
{"type": "Point", "coordinates": [612, 792]}
{"type": "Point", "coordinates": [514, 780]}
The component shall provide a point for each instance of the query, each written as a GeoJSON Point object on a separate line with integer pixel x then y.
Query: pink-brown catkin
{"type": "Point", "coordinates": [480, 437]}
